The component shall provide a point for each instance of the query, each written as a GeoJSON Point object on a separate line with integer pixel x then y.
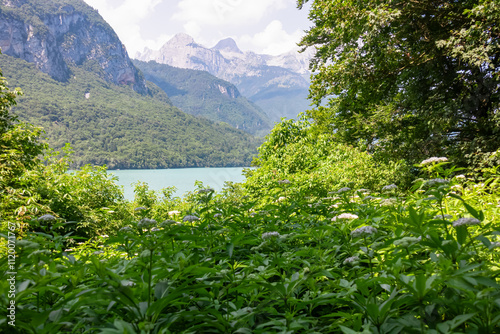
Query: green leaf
{"type": "Point", "coordinates": [461, 234]}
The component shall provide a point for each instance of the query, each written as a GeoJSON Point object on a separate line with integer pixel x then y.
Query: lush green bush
{"type": "Point", "coordinates": [317, 164]}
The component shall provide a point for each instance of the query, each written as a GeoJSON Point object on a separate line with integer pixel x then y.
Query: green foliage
{"type": "Point", "coordinates": [120, 128]}
{"type": "Point", "coordinates": [31, 187]}
{"type": "Point", "coordinates": [316, 163]}
{"type": "Point", "coordinates": [201, 94]}
{"type": "Point", "coordinates": [420, 262]}
{"type": "Point", "coordinates": [408, 79]}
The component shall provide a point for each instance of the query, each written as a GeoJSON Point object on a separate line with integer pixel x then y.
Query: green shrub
{"type": "Point", "coordinates": [316, 164]}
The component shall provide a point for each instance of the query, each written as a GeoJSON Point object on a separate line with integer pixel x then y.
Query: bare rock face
{"type": "Point", "coordinates": [249, 71]}
{"type": "Point", "coordinates": [63, 36]}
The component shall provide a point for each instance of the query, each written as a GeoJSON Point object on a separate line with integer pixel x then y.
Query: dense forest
{"type": "Point", "coordinates": [112, 125]}
{"type": "Point", "coordinates": [375, 212]}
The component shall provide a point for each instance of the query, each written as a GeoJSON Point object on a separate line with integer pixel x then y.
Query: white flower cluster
{"type": "Point", "coordinates": [345, 216]}
{"type": "Point", "coordinates": [390, 187]}
{"type": "Point", "coordinates": [126, 229]}
{"type": "Point", "coordinates": [168, 222]}
{"type": "Point", "coordinates": [460, 177]}
{"type": "Point", "coordinates": [433, 182]}
{"type": "Point", "coordinates": [351, 260]}
{"type": "Point", "coordinates": [388, 202]}
{"type": "Point", "coordinates": [146, 223]}
{"type": "Point", "coordinates": [218, 215]}
{"type": "Point", "coordinates": [407, 241]}
{"type": "Point", "coordinates": [46, 218]}
{"type": "Point", "coordinates": [140, 208]}
{"type": "Point", "coordinates": [364, 231]}
{"type": "Point", "coordinates": [433, 160]}
{"type": "Point", "coordinates": [205, 191]}
{"type": "Point", "coordinates": [283, 182]}
{"type": "Point", "coordinates": [495, 244]}
{"type": "Point", "coordinates": [268, 235]}
{"type": "Point", "coordinates": [343, 190]}
{"type": "Point", "coordinates": [190, 218]}
{"type": "Point", "coordinates": [466, 221]}
{"type": "Point", "coordinates": [174, 212]}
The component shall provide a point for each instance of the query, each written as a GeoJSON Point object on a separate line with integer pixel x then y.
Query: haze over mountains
{"type": "Point", "coordinates": [278, 84]}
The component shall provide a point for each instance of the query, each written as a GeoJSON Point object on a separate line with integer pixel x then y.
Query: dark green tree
{"type": "Point", "coordinates": [407, 79]}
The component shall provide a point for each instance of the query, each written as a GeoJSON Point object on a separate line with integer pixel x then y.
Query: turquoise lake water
{"type": "Point", "coordinates": [183, 178]}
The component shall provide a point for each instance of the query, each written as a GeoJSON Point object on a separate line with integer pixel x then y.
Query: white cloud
{"type": "Point", "coordinates": [273, 40]}
{"type": "Point", "coordinates": [125, 20]}
{"type": "Point", "coordinates": [226, 12]}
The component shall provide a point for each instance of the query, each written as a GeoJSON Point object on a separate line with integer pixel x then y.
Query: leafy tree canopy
{"type": "Point", "coordinates": [408, 79]}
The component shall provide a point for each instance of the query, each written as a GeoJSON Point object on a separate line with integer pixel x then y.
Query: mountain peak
{"type": "Point", "coordinates": [227, 44]}
{"type": "Point", "coordinates": [181, 39]}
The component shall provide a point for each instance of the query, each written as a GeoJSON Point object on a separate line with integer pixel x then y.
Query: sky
{"type": "Point", "coordinates": [262, 26]}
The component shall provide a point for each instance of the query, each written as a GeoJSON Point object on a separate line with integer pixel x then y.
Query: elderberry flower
{"type": "Point", "coordinates": [433, 160]}
{"type": "Point", "coordinates": [390, 187]}
{"type": "Point", "coordinates": [363, 231]}
{"type": "Point", "coordinates": [388, 202]}
{"type": "Point", "coordinates": [46, 218]}
{"type": "Point", "coordinates": [407, 241]}
{"type": "Point", "coordinates": [126, 229]}
{"type": "Point", "coordinates": [284, 182]}
{"type": "Point", "coordinates": [343, 190]}
{"type": "Point", "coordinates": [433, 182]}
{"type": "Point", "coordinates": [173, 213]}
{"type": "Point", "coordinates": [140, 208]}
{"type": "Point", "coordinates": [146, 223]}
{"type": "Point", "coordinates": [168, 222]}
{"type": "Point", "coordinates": [345, 216]}
{"type": "Point", "coordinates": [460, 177]}
{"type": "Point", "coordinates": [351, 260]}
{"type": "Point", "coordinates": [466, 221]}
{"type": "Point", "coordinates": [218, 215]}
{"type": "Point", "coordinates": [268, 235]}
{"type": "Point", "coordinates": [190, 218]}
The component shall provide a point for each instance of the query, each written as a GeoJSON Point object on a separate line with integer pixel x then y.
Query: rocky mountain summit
{"type": "Point", "coordinates": [278, 84]}
{"type": "Point", "coordinates": [55, 35]}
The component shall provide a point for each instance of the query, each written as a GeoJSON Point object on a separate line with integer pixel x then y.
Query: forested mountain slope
{"type": "Point", "coordinates": [202, 94]}
{"type": "Point", "coordinates": [82, 87]}
{"type": "Point", "coordinates": [113, 125]}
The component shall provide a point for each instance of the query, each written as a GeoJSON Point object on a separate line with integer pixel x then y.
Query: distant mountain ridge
{"type": "Point", "coordinates": [278, 84]}
{"type": "Point", "coordinates": [201, 94]}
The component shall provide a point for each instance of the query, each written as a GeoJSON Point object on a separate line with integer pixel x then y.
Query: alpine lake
{"type": "Point", "coordinates": [183, 179]}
